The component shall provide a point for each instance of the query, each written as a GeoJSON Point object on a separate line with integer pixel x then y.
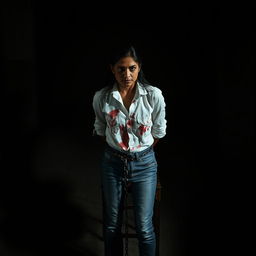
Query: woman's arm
{"type": "Point", "coordinates": [100, 122]}
{"type": "Point", "coordinates": [158, 116]}
{"type": "Point", "coordinates": [155, 141]}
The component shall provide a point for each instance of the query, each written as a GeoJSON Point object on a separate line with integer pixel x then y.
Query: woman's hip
{"type": "Point", "coordinates": [138, 166]}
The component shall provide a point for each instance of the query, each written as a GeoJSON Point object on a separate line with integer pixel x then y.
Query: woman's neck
{"type": "Point", "coordinates": [127, 90]}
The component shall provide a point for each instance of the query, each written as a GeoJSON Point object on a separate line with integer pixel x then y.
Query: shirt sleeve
{"type": "Point", "coordinates": [158, 115]}
{"type": "Point", "coordinates": [100, 122]}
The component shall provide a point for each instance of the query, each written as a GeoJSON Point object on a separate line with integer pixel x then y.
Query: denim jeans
{"type": "Point", "coordinates": [142, 174]}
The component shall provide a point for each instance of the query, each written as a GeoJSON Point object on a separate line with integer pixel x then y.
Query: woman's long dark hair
{"type": "Point", "coordinates": [122, 52]}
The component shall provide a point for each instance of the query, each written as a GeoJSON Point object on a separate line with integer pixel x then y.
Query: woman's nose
{"type": "Point", "coordinates": [127, 73]}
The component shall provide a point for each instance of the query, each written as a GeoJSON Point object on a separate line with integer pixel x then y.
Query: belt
{"type": "Point", "coordinates": [131, 156]}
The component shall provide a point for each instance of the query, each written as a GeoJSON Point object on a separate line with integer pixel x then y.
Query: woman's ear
{"type": "Point", "coordinates": [112, 69]}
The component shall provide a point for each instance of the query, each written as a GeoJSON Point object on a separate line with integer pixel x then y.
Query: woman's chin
{"type": "Point", "coordinates": [127, 84]}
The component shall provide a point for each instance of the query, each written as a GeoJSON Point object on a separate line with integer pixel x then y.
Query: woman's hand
{"type": "Point", "coordinates": [155, 141]}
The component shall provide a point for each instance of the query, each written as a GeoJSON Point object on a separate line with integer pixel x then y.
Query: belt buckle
{"type": "Point", "coordinates": [128, 157]}
{"type": "Point", "coordinates": [131, 158]}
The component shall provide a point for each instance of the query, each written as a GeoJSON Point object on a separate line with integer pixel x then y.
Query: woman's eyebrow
{"type": "Point", "coordinates": [120, 66]}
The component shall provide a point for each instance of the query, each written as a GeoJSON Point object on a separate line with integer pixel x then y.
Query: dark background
{"type": "Point", "coordinates": [53, 61]}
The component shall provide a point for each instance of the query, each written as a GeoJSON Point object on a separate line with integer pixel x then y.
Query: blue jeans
{"type": "Point", "coordinates": [141, 172]}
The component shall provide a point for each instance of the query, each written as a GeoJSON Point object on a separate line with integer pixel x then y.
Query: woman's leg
{"type": "Point", "coordinates": [143, 193]}
{"type": "Point", "coordinates": [112, 196]}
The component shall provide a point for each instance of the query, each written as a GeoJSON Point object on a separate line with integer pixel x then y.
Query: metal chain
{"type": "Point", "coordinates": [126, 203]}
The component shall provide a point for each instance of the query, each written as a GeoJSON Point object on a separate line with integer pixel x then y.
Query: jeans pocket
{"type": "Point", "coordinates": [110, 159]}
{"type": "Point", "coordinates": [149, 159]}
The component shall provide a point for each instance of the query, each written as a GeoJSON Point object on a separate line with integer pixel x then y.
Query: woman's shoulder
{"type": "Point", "coordinates": [100, 93]}
{"type": "Point", "coordinates": [153, 90]}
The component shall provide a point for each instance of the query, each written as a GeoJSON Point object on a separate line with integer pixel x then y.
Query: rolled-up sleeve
{"type": "Point", "coordinates": [100, 122]}
{"type": "Point", "coordinates": [158, 115]}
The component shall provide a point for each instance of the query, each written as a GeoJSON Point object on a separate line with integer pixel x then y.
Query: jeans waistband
{"type": "Point", "coordinates": [131, 156]}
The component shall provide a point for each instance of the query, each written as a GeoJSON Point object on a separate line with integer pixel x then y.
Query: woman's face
{"type": "Point", "coordinates": [126, 72]}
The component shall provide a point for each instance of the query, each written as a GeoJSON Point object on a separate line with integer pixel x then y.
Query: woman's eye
{"type": "Point", "coordinates": [121, 69]}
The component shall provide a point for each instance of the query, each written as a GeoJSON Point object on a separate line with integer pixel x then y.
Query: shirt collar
{"type": "Point", "coordinates": [141, 89]}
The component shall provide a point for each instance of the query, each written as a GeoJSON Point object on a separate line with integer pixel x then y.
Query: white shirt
{"type": "Point", "coordinates": [132, 130]}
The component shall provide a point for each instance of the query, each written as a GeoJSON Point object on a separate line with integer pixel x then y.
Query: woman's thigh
{"type": "Point", "coordinates": [143, 191]}
{"type": "Point", "coordinates": [143, 195]}
{"type": "Point", "coordinates": [111, 182]}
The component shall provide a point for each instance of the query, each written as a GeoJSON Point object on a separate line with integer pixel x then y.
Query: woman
{"type": "Point", "coordinates": [130, 118]}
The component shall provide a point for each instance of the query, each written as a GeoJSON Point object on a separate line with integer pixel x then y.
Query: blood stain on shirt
{"type": "Point", "coordinates": [143, 129]}
{"type": "Point", "coordinates": [113, 114]}
{"type": "Point", "coordinates": [124, 136]}
{"type": "Point", "coordinates": [132, 115]}
{"type": "Point", "coordinates": [121, 144]}
{"type": "Point", "coordinates": [130, 123]}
